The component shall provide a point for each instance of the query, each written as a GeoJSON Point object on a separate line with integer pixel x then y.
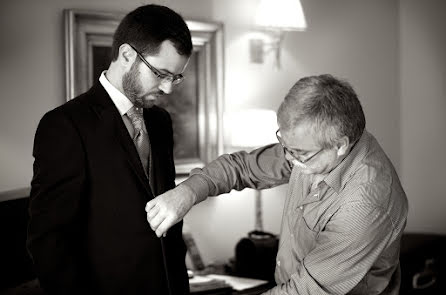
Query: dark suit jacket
{"type": "Point", "coordinates": [88, 231]}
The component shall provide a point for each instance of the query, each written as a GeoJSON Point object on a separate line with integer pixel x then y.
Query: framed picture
{"type": "Point", "coordinates": [195, 105]}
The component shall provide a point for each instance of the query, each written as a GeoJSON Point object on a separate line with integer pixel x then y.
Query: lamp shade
{"type": "Point", "coordinates": [286, 15]}
{"type": "Point", "coordinates": [251, 128]}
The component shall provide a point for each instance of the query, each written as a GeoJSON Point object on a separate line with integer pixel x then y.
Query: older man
{"type": "Point", "coordinates": [345, 209]}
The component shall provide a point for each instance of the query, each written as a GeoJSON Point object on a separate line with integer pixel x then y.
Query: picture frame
{"type": "Point", "coordinates": [195, 105]}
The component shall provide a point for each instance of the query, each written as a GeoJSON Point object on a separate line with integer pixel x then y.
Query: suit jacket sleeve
{"type": "Point", "coordinates": [55, 204]}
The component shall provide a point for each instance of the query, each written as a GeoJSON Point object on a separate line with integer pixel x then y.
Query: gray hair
{"type": "Point", "coordinates": [330, 105]}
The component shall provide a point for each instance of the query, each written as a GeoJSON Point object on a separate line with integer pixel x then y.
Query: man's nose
{"type": "Point", "coordinates": [166, 86]}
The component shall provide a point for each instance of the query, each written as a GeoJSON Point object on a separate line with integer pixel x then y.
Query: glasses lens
{"type": "Point", "coordinates": [295, 155]}
{"type": "Point", "coordinates": [171, 79]}
{"type": "Point", "coordinates": [177, 79]}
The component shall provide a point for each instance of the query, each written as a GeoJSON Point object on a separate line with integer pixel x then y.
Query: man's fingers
{"type": "Point", "coordinates": [156, 221]}
{"type": "Point", "coordinates": [164, 226]}
{"type": "Point", "coordinates": [168, 208]}
{"type": "Point", "coordinates": [152, 213]}
{"type": "Point", "coordinates": [151, 204]}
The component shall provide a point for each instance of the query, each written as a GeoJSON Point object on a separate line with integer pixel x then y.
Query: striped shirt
{"type": "Point", "coordinates": [341, 236]}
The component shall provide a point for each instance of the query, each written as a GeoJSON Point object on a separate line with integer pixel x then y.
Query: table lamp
{"type": "Point", "coordinates": [247, 130]}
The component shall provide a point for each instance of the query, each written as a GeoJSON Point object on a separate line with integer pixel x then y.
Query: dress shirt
{"type": "Point", "coordinates": [341, 236]}
{"type": "Point", "coordinates": [122, 103]}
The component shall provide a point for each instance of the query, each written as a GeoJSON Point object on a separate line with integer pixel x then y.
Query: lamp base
{"type": "Point", "coordinates": [258, 211]}
{"type": "Point", "coordinates": [256, 51]}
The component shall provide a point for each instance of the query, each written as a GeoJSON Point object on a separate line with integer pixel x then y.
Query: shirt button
{"type": "Point", "coordinates": [316, 195]}
{"type": "Point", "coordinates": [278, 262]}
{"type": "Point", "coordinates": [292, 235]}
{"type": "Point", "coordinates": [301, 207]}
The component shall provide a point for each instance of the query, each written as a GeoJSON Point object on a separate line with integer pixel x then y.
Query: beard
{"type": "Point", "coordinates": [133, 89]}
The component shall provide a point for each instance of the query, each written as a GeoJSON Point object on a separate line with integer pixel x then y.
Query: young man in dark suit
{"type": "Point", "coordinates": [99, 158]}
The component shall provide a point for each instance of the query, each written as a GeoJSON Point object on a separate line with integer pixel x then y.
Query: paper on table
{"type": "Point", "coordinates": [238, 283]}
{"type": "Point", "coordinates": [199, 279]}
{"type": "Point", "coordinates": [204, 283]}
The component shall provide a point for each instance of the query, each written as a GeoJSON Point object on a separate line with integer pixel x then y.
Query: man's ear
{"type": "Point", "coordinates": [342, 145]}
{"type": "Point", "coordinates": [126, 56]}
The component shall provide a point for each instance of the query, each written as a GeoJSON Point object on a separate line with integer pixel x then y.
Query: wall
{"type": "Point", "coordinates": [345, 37]}
{"type": "Point", "coordinates": [423, 106]}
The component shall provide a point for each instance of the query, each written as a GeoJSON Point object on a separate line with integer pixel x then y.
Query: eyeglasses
{"type": "Point", "coordinates": [174, 79]}
{"type": "Point", "coordinates": [294, 153]}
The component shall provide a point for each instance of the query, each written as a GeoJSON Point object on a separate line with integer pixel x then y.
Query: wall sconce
{"type": "Point", "coordinates": [274, 18]}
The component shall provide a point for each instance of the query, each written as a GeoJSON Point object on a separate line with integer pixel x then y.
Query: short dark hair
{"type": "Point", "coordinates": [329, 104]}
{"type": "Point", "coordinates": [146, 27]}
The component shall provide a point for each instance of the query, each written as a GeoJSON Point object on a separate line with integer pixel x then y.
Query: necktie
{"type": "Point", "coordinates": [140, 136]}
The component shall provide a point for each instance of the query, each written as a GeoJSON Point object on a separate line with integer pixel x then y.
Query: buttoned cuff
{"type": "Point", "coordinates": [199, 186]}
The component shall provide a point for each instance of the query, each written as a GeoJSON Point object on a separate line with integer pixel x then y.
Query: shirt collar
{"type": "Point", "coordinates": [122, 103]}
{"type": "Point", "coordinates": [339, 176]}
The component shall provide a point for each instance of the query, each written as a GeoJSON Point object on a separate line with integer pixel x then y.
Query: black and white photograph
{"type": "Point", "coordinates": [222, 147]}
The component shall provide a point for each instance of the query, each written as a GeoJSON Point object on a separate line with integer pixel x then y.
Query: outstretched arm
{"type": "Point", "coordinates": [262, 168]}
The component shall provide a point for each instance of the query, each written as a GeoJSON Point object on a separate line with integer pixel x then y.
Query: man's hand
{"type": "Point", "coordinates": [169, 208]}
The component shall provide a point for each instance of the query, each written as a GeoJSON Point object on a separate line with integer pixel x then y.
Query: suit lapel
{"type": "Point", "coordinates": [112, 122]}
{"type": "Point", "coordinates": [152, 164]}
